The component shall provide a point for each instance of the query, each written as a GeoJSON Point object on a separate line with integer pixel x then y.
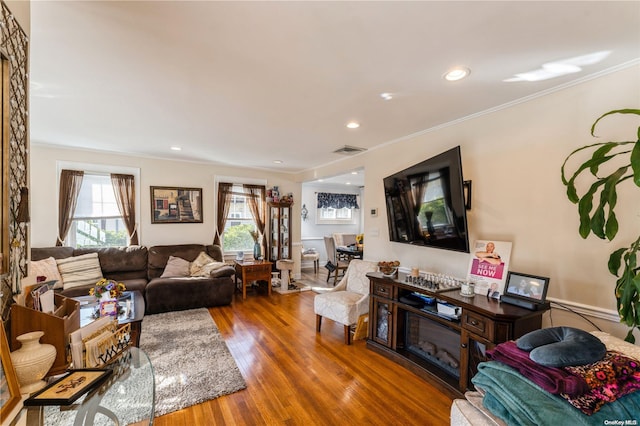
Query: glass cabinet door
{"type": "Point", "coordinates": [382, 323]}
{"type": "Point", "coordinates": [279, 232]}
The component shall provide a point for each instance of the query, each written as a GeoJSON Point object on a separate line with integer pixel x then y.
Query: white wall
{"type": "Point", "coordinates": [153, 172]}
{"type": "Point", "coordinates": [513, 156]}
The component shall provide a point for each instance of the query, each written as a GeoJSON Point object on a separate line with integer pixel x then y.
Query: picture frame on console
{"type": "Point", "coordinates": [172, 204]}
{"type": "Point", "coordinates": [525, 290]}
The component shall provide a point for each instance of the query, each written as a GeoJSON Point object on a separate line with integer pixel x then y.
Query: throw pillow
{"type": "Point", "coordinates": [46, 268]}
{"type": "Point", "coordinates": [562, 347]}
{"type": "Point", "coordinates": [78, 271]}
{"type": "Point", "coordinates": [176, 267]}
{"type": "Point", "coordinates": [196, 266]}
{"type": "Point", "coordinates": [208, 270]}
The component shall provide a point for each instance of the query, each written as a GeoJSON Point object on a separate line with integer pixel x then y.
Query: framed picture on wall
{"type": "Point", "coordinates": [172, 204]}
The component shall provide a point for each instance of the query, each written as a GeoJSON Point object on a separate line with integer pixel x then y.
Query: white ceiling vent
{"type": "Point", "coordinates": [348, 150]}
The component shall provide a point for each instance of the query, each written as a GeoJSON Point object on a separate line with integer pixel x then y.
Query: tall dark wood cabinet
{"type": "Point", "coordinates": [441, 349]}
{"type": "Point", "coordinates": [279, 231]}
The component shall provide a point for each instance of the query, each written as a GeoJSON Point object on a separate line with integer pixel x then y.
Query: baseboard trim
{"type": "Point", "coordinates": [587, 310]}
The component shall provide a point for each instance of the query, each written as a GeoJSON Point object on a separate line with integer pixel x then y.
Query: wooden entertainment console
{"type": "Point", "coordinates": [443, 350]}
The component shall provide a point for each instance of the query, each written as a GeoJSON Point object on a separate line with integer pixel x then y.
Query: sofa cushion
{"type": "Point", "coordinates": [169, 294]}
{"type": "Point", "coordinates": [58, 252]}
{"type": "Point", "coordinates": [562, 346]}
{"type": "Point", "coordinates": [176, 267]}
{"type": "Point", "coordinates": [80, 271]}
{"type": "Point", "coordinates": [199, 264]}
{"type": "Point", "coordinates": [159, 255]}
{"type": "Point", "coordinates": [46, 268]}
{"type": "Point", "coordinates": [120, 263]}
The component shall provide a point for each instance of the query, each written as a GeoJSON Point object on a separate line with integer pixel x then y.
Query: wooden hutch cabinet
{"type": "Point", "coordinates": [279, 240]}
{"type": "Point", "coordinates": [441, 349]}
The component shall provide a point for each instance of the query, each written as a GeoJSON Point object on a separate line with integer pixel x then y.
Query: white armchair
{"type": "Point", "coordinates": [348, 300]}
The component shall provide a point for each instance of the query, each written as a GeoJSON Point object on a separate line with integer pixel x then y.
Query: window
{"type": "Point", "coordinates": [97, 222]}
{"type": "Point", "coordinates": [329, 213]}
{"type": "Point", "coordinates": [336, 208]}
{"type": "Point", "coordinates": [240, 223]}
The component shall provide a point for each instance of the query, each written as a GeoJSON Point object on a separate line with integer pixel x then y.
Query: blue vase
{"type": "Point", "coordinates": [257, 252]}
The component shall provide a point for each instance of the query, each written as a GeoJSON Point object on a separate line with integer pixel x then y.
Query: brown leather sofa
{"type": "Point", "coordinates": [140, 268]}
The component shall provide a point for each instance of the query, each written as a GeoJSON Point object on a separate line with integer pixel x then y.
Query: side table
{"type": "Point", "coordinates": [253, 270]}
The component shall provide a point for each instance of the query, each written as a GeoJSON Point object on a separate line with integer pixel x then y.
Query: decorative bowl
{"type": "Point", "coordinates": [389, 271]}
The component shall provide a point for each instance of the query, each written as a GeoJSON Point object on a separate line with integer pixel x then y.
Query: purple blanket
{"type": "Point", "coordinates": [553, 380]}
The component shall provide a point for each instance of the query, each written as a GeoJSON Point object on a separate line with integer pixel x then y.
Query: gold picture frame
{"type": "Point", "coordinates": [172, 204]}
{"type": "Point", "coordinates": [10, 398]}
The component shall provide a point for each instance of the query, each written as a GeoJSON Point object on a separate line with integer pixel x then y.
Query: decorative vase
{"type": "Point", "coordinates": [257, 251]}
{"type": "Point", "coordinates": [32, 361]}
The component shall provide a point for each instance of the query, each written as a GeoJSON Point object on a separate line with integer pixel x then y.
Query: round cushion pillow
{"type": "Point", "coordinates": [562, 347]}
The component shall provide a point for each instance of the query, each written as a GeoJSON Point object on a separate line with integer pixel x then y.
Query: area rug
{"type": "Point", "coordinates": [190, 359]}
{"type": "Point", "coordinates": [191, 364]}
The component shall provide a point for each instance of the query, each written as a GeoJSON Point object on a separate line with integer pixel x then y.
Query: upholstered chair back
{"type": "Point", "coordinates": [356, 275]}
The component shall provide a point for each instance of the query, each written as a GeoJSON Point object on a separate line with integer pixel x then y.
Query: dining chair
{"type": "Point", "coordinates": [334, 264]}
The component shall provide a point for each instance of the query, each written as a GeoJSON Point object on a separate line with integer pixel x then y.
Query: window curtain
{"type": "Point", "coordinates": [224, 201]}
{"type": "Point", "coordinates": [125, 192]}
{"type": "Point", "coordinates": [337, 201]}
{"type": "Point", "coordinates": [256, 195]}
{"type": "Point", "coordinates": [70, 183]}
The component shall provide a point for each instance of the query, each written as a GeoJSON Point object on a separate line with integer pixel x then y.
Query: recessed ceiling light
{"type": "Point", "coordinates": [456, 74]}
{"type": "Point", "coordinates": [386, 96]}
{"type": "Point", "coordinates": [354, 173]}
{"type": "Point", "coordinates": [347, 183]}
{"type": "Point", "coordinates": [353, 125]}
{"type": "Point", "coordinates": [277, 161]}
{"type": "Point", "coordinates": [176, 148]}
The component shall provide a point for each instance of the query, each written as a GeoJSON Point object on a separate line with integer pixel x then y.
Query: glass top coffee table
{"type": "Point", "coordinates": [131, 310]}
{"type": "Point", "coordinates": [126, 397]}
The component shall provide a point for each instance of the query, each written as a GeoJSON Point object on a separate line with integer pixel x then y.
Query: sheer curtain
{"type": "Point", "coordinates": [70, 183]}
{"type": "Point", "coordinates": [125, 192]}
{"type": "Point", "coordinates": [256, 195]}
{"type": "Point", "coordinates": [224, 201]}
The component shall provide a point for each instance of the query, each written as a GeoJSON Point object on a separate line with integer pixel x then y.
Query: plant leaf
{"type": "Point", "coordinates": [615, 259]}
{"type": "Point", "coordinates": [584, 209]}
{"type": "Point", "coordinates": [635, 160]}
{"type": "Point", "coordinates": [617, 111]}
{"type": "Point", "coordinates": [630, 337]}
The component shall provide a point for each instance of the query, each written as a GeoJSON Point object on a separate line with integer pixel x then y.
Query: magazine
{"type": "Point", "coordinates": [488, 266]}
{"type": "Point", "coordinates": [42, 297]}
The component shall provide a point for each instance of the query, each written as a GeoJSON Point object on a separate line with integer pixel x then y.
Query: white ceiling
{"type": "Point", "coordinates": [247, 83]}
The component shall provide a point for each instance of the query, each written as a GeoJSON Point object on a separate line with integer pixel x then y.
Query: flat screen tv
{"type": "Point", "coordinates": [426, 203]}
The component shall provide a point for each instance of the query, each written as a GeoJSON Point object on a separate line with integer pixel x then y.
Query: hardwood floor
{"type": "Point", "coordinates": [295, 376]}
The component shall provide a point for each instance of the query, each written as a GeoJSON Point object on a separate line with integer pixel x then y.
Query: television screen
{"type": "Point", "coordinates": [426, 203]}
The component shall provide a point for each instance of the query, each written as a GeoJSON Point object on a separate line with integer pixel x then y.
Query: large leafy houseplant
{"type": "Point", "coordinates": [600, 218]}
